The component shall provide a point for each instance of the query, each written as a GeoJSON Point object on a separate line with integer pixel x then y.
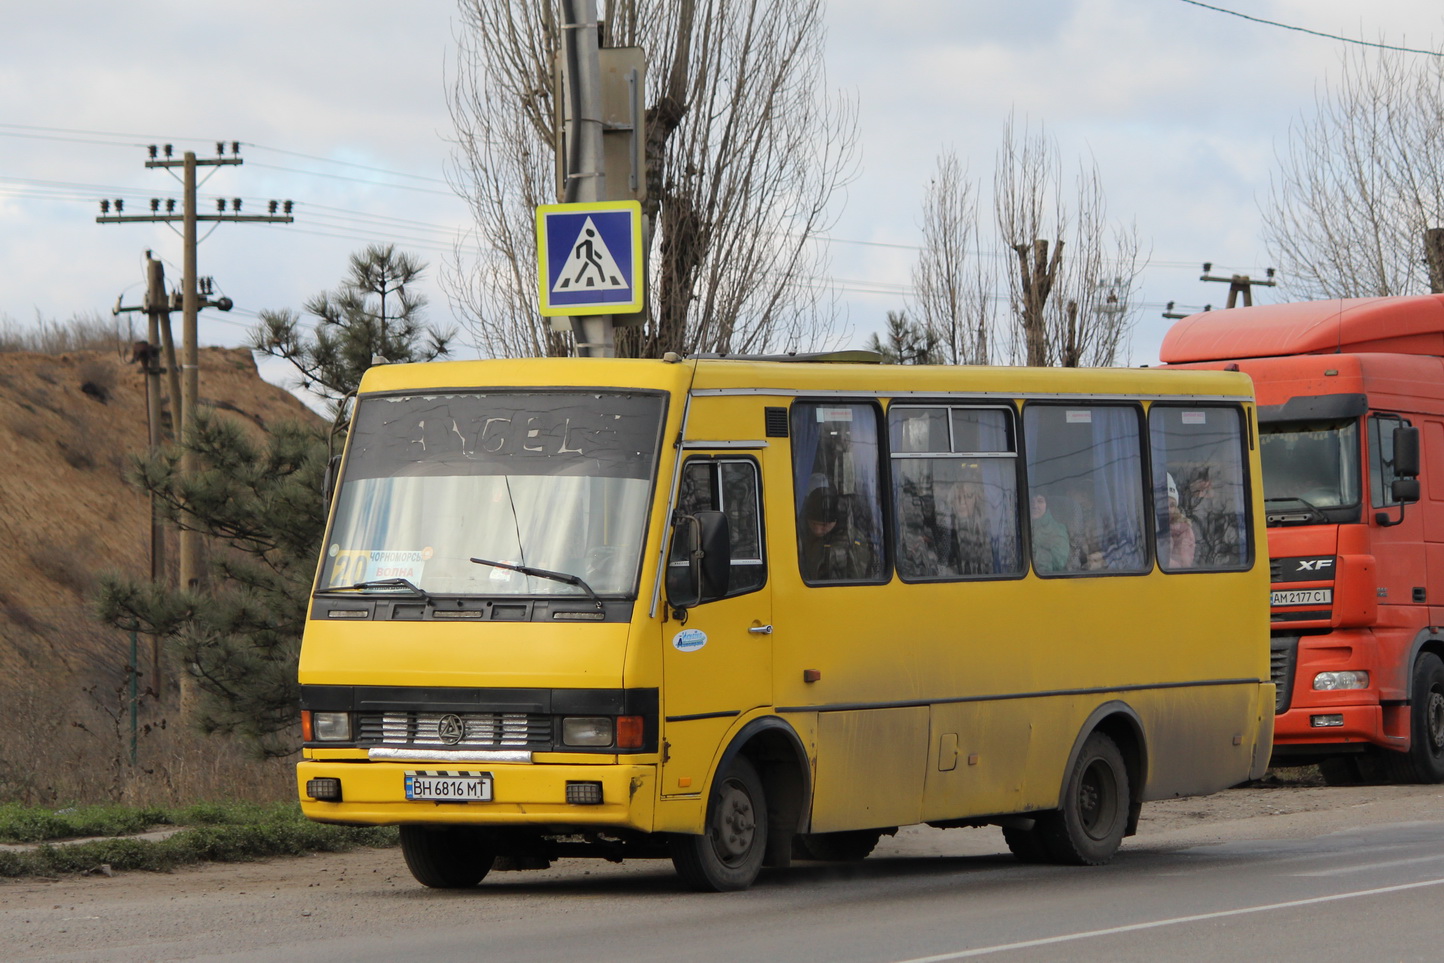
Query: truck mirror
{"type": "Point", "coordinates": [1405, 490]}
{"type": "Point", "coordinates": [1406, 453]}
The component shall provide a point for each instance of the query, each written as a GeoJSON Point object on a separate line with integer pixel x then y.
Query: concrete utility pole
{"type": "Point", "coordinates": [191, 304]}
{"type": "Point", "coordinates": [148, 354]}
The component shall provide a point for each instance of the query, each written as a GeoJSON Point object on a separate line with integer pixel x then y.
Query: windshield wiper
{"type": "Point", "coordinates": [383, 583]}
{"type": "Point", "coordinates": [547, 574]}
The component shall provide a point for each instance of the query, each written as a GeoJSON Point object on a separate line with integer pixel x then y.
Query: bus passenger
{"type": "Point", "coordinates": [828, 550]}
{"type": "Point", "coordinates": [1051, 547]}
{"type": "Point", "coordinates": [1182, 542]}
{"type": "Point", "coordinates": [972, 548]}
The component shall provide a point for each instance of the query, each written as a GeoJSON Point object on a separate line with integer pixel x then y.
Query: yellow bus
{"type": "Point", "coordinates": [737, 612]}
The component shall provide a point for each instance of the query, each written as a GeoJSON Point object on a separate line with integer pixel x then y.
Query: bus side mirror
{"type": "Point", "coordinates": [700, 560]}
{"type": "Point", "coordinates": [716, 554]}
{"type": "Point", "coordinates": [328, 481]}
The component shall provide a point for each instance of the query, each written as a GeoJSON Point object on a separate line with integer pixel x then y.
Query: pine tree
{"type": "Point", "coordinates": [908, 342]}
{"type": "Point", "coordinates": [261, 504]}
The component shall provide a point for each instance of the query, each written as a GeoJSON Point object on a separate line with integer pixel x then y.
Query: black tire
{"type": "Point", "coordinates": [1424, 762]}
{"type": "Point", "coordinates": [728, 856]}
{"type": "Point", "coordinates": [844, 847]}
{"type": "Point", "coordinates": [1026, 844]}
{"type": "Point", "coordinates": [1089, 828]}
{"type": "Point", "coordinates": [447, 857]}
{"type": "Point", "coordinates": [1366, 768]}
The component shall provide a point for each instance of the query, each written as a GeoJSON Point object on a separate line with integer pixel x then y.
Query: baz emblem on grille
{"type": "Point", "coordinates": [450, 728]}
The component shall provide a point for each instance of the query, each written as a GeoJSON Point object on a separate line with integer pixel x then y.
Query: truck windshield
{"type": "Point", "coordinates": [554, 480]}
{"type": "Point", "coordinates": [1313, 465]}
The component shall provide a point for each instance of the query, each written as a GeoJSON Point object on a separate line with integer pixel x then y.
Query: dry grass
{"type": "Point", "coordinates": [68, 517]}
{"type": "Point", "coordinates": [92, 332]}
{"type": "Point", "coordinates": [79, 750]}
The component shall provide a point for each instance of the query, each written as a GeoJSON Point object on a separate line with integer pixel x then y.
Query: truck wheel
{"type": "Point", "coordinates": [447, 857]}
{"type": "Point", "coordinates": [728, 855]}
{"type": "Point", "coordinates": [1089, 828]}
{"type": "Point", "coordinates": [1424, 762]}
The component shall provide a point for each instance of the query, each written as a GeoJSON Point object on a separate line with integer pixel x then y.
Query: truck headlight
{"type": "Point", "coordinates": [586, 731]}
{"type": "Point", "coordinates": [1348, 679]}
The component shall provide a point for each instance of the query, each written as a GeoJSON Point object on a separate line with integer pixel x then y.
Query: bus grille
{"type": "Point", "coordinates": [483, 730]}
{"type": "Point", "coordinates": [1282, 652]}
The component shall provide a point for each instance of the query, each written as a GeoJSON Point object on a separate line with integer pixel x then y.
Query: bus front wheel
{"type": "Point", "coordinates": [1089, 827]}
{"type": "Point", "coordinates": [728, 854]}
{"type": "Point", "coordinates": [450, 857]}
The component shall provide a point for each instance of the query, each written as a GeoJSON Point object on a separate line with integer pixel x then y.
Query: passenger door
{"type": "Point", "coordinates": [717, 664]}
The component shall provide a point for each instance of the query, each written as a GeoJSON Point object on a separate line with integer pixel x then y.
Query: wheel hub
{"type": "Point", "coordinates": [736, 825]}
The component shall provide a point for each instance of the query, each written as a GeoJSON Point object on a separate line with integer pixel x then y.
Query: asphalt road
{"type": "Point", "coordinates": [1283, 874]}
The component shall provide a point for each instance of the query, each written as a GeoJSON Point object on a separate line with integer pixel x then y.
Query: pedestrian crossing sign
{"type": "Point", "coordinates": [589, 258]}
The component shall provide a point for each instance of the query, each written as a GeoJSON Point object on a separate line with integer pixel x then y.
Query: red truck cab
{"type": "Point", "coordinates": [1351, 428]}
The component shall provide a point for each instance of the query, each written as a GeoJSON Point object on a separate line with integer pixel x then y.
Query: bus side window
{"type": "Point", "coordinates": [837, 492]}
{"type": "Point", "coordinates": [729, 486]}
{"type": "Point", "coordinates": [955, 491]}
{"type": "Point", "coordinates": [1085, 488]}
{"type": "Point", "coordinates": [1200, 498]}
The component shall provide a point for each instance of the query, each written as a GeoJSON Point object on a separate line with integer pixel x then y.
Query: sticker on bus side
{"type": "Point", "coordinates": [689, 640]}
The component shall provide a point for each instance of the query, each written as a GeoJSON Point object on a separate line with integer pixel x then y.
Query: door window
{"type": "Point", "coordinates": [730, 486]}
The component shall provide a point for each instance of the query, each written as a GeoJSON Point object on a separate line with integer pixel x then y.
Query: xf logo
{"type": "Point", "coordinates": [1315, 564]}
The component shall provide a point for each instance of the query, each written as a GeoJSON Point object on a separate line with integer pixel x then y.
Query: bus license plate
{"type": "Point", "coordinates": [449, 786]}
{"type": "Point", "coordinates": [1302, 597]}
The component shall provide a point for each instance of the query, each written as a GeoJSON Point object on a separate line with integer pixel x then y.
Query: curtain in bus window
{"type": "Point", "coordinates": [954, 492]}
{"type": "Point", "coordinates": [1199, 493]}
{"type": "Point", "coordinates": [1085, 480]}
{"type": "Point", "coordinates": [837, 495]}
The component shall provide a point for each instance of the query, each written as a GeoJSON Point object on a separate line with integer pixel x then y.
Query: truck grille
{"type": "Point", "coordinates": [483, 730]}
{"type": "Point", "coordinates": [1283, 651]}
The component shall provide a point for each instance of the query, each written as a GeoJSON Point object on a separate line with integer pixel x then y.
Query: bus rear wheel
{"type": "Point", "coordinates": [447, 857]}
{"type": "Point", "coordinates": [1424, 762]}
{"type": "Point", "coordinates": [728, 854]}
{"type": "Point", "coordinates": [1089, 827]}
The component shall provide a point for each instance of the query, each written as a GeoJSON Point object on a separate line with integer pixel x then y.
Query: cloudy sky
{"type": "Point", "coordinates": [340, 106]}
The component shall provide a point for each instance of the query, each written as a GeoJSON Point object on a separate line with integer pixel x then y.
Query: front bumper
{"type": "Point", "coordinates": [523, 795]}
{"type": "Point", "coordinates": [1361, 723]}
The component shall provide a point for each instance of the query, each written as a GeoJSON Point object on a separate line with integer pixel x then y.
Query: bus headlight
{"type": "Point", "coordinates": [587, 731]}
{"type": "Point", "coordinates": [1349, 679]}
{"type": "Point", "coordinates": [331, 726]}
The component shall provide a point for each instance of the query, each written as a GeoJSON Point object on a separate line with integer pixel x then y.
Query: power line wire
{"type": "Point", "coordinates": [1316, 33]}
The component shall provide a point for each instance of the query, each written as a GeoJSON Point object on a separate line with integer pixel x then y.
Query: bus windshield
{"type": "Point", "coordinates": [1313, 465]}
{"type": "Point", "coordinates": [548, 480]}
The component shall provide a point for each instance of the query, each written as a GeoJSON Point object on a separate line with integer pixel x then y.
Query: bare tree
{"type": "Point", "coordinates": [1361, 183]}
{"type": "Point", "coordinates": [744, 148]}
{"type": "Point", "coordinates": [951, 284]}
{"type": "Point", "coordinates": [1072, 309]}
